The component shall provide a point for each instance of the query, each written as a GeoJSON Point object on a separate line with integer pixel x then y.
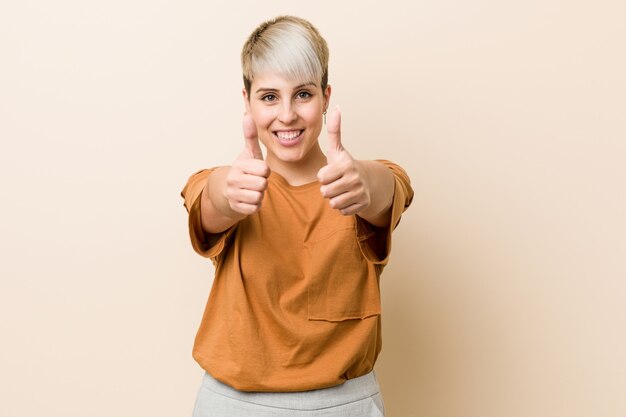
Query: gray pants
{"type": "Point", "coordinates": [358, 397]}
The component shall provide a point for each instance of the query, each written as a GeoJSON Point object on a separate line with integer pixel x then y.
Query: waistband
{"type": "Point", "coordinates": [352, 390]}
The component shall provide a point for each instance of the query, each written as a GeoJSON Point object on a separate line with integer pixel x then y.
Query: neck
{"type": "Point", "coordinates": [299, 172]}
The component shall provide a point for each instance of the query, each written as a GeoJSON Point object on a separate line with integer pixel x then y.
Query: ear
{"type": "Point", "coordinates": [246, 100]}
{"type": "Point", "coordinates": [327, 96]}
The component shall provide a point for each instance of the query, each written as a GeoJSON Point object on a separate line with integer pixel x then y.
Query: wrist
{"type": "Point", "coordinates": [380, 184]}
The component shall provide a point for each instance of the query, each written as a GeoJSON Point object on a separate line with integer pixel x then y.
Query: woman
{"type": "Point", "coordinates": [299, 239]}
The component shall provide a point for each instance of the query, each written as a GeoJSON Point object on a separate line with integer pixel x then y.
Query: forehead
{"type": "Point", "coordinates": [275, 81]}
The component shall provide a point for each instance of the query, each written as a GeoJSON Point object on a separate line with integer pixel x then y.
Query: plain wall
{"type": "Point", "coordinates": [506, 287]}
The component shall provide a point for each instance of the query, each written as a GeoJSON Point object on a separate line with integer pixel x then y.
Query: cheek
{"type": "Point", "coordinates": [263, 120]}
{"type": "Point", "coordinates": [312, 115]}
{"type": "Point", "coordinates": [262, 116]}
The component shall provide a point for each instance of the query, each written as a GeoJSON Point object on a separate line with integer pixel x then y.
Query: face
{"type": "Point", "coordinates": [288, 116]}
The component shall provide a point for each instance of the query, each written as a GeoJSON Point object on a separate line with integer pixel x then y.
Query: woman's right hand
{"type": "Point", "coordinates": [246, 181]}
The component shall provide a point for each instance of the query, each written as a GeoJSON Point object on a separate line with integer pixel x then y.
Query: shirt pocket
{"type": "Point", "coordinates": [342, 284]}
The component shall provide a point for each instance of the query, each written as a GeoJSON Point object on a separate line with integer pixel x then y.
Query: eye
{"type": "Point", "coordinates": [269, 98]}
{"type": "Point", "coordinates": [304, 95]}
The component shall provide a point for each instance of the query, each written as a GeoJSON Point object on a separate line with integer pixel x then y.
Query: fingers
{"type": "Point", "coordinates": [345, 191]}
{"type": "Point", "coordinates": [252, 166]}
{"type": "Point", "coordinates": [246, 197]}
{"type": "Point", "coordinates": [246, 181]}
{"type": "Point", "coordinates": [328, 174]}
{"type": "Point", "coordinates": [245, 191]}
{"type": "Point", "coordinates": [340, 178]}
{"type": "Point", "coordinates": [352, 209]}
{"type": "Point", "coordinates": [350, 202]}
{"type": "Point", "coordinates": [344, 188]}
{"type": "Point", "coordinates": [341, 186]}
{"type": "Point", "coordinates": [253, 149]}
{"type": "Point", "coordinates": [338, 159]}
{"type": "Point", "coordinates": [334, 132]}
{"type": "Point", "coordinates": [245, 208]}
{"type": "Point", "coordinates": [343, 181]}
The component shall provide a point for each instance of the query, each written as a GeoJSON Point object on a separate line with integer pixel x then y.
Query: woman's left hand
{"type": "Point", "coordinates": [344, 179]}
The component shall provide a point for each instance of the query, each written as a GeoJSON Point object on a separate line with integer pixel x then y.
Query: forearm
{"type": "Point", "coordinates": [216, 213]}
{"type": "Point", "coordinates": [381, 187]}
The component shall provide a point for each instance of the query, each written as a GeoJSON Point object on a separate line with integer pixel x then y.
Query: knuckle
{"type": "Point", "coordinates": [250, 209]}
{"type": "Point", "coordinates": [230, 195]}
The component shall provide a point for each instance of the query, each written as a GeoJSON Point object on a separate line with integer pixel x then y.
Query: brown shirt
{"type": "Point", "coordinates": [295, 303]}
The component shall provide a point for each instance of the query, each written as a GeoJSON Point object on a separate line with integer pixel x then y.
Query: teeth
{"type": "Point", "coordinates": [288, 135]}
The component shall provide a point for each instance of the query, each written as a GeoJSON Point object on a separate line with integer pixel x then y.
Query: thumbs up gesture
{"type": "Point", "coordinates": [343, 179]}
{"type": "Point", "coordinates": [246, 181]}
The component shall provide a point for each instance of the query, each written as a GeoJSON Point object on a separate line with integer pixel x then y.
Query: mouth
{"type": "Point", "coordinates": [288, 137]}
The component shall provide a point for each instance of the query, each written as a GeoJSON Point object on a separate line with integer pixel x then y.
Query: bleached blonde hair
{"type": "Point", "coordinates": [289, 46]}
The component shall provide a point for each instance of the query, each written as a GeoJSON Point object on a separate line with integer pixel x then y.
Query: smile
{"type": "Point", "coordinates": [288, 134]}
{"type": "Point", "coordinates": [288, 137]}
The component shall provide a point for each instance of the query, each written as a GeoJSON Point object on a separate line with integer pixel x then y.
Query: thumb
{"type": "Point", "coordinates": [334, 132]}
{"type": "Point", "coordinates": [253, 149]}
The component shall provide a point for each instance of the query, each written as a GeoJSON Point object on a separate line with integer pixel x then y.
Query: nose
{"type": "Point", "coordinates": [287, 113]}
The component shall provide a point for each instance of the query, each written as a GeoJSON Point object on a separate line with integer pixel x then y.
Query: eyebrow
{"type": "Point", "coordinates": [295, 88]}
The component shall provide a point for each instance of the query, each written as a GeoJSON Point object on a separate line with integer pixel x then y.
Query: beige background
{"type": "Point", "coordinates": [505, 294]}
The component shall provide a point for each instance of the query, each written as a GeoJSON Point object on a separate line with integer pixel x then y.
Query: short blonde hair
{"type": "Point", "coordinates": [289, 46]}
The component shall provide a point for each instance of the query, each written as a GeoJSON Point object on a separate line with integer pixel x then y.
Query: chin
{"type": "Point", "coordinates": [289, 156]}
